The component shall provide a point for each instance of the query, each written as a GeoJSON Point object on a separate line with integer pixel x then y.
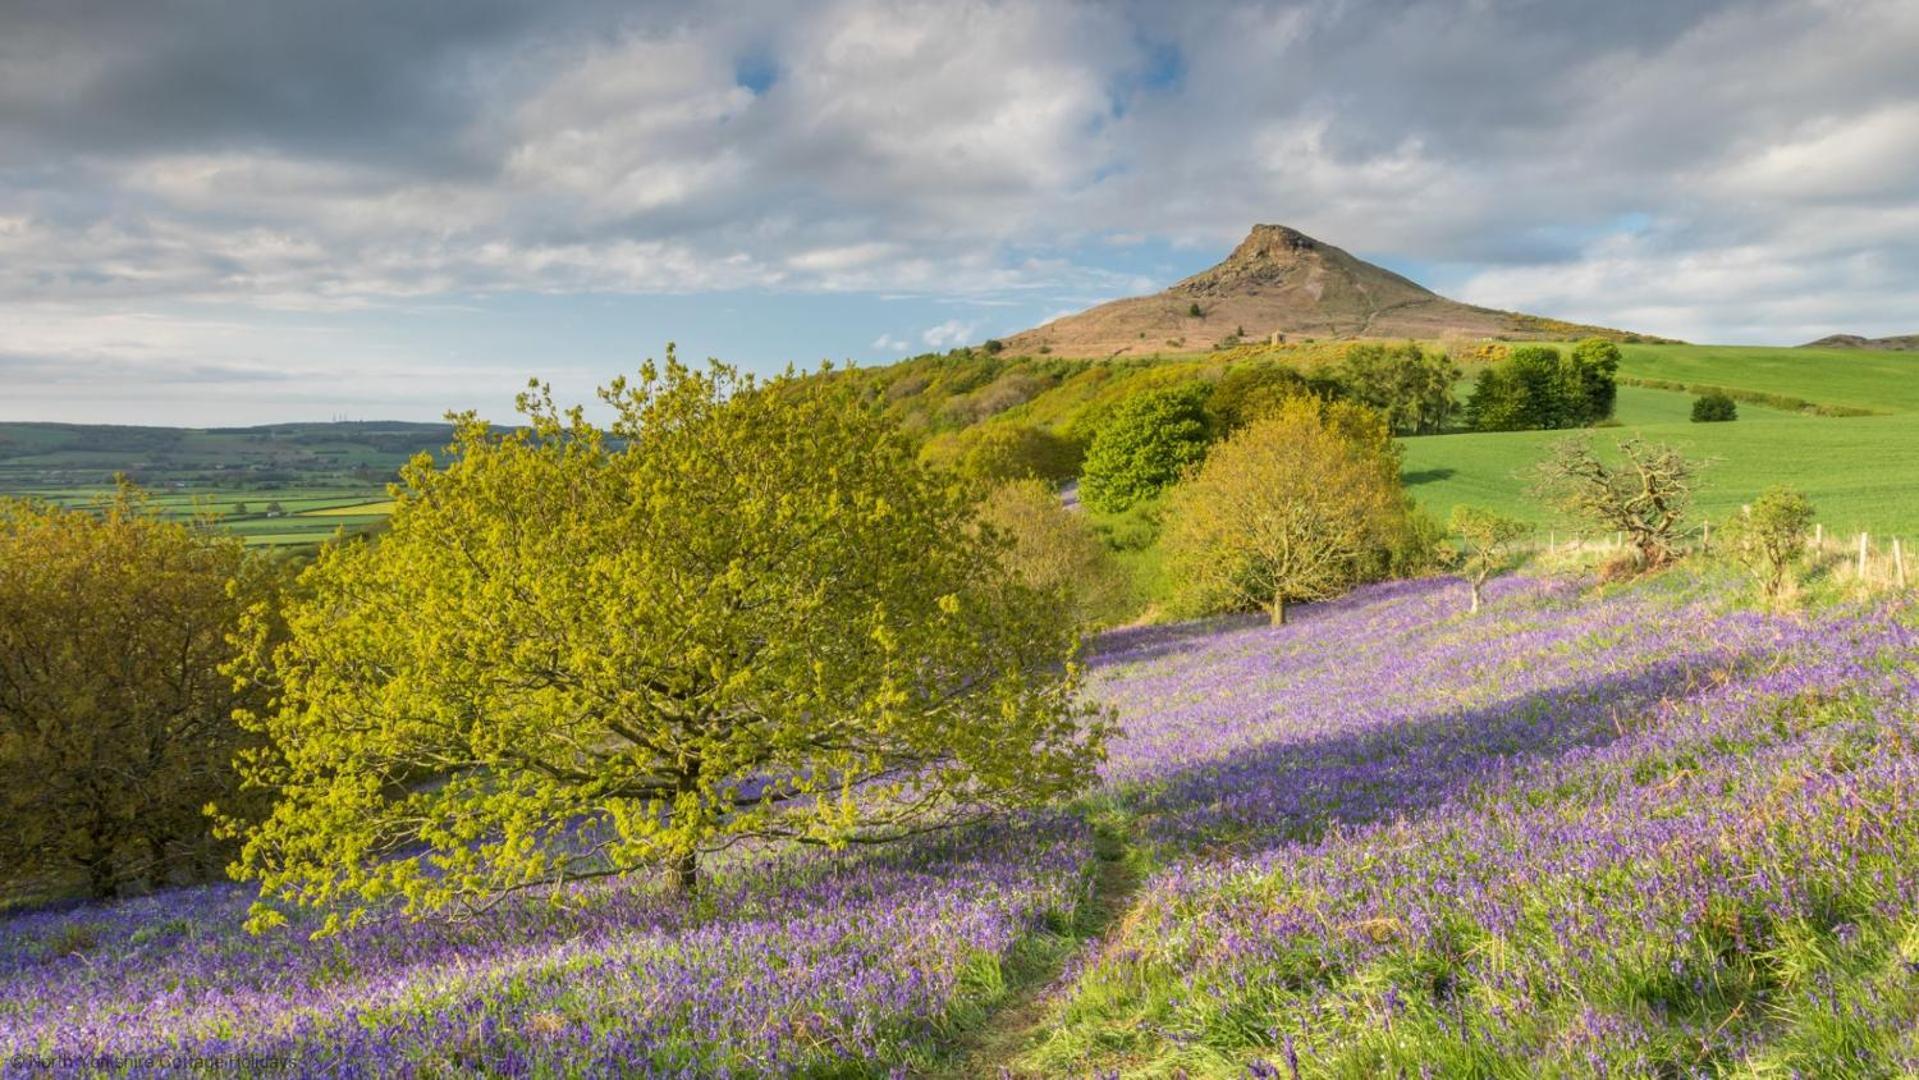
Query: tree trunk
{"type": "Point", "coordinates": [1474, 610]}
{"type": "Point", "coordinates": [686, 873]}
{"type": "Point", "coordinates": [1279, 609]}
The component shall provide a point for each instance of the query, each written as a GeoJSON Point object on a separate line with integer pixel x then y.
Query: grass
{"type": "Point", "coordinates": [1846, 378]}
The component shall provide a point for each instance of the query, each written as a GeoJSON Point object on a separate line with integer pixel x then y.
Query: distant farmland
{"type": "Point", "coordinates": [1862, 472]}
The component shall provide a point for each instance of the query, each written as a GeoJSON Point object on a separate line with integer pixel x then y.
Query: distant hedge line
{"type": "Point", "coordinates": [1750, 397]}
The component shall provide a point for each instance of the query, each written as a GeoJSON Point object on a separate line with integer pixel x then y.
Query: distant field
{"type": "Point", "coordinates": [1853, 378]}
{"type": "Point", "coordinates": [306, 516]}
{"type": "Point", "coordinates": [1861, 472]}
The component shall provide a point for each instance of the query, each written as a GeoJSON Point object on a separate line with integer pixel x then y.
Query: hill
{"type": "Point", "coordinates": [1279, 281]}
{"type": "Point", "coordinates": [1630, 835]}
{"type": "Point", "coordinates": [1902, 343]}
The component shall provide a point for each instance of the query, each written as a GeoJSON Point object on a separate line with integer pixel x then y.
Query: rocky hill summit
{"type": "Point", "coordinates": [1280, 283]}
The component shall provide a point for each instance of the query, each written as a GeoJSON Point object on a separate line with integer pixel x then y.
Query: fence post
{"type": "Point", "coordinates": [1818, 534]}
{"type": "Point", "coordinates": [1862, 556]}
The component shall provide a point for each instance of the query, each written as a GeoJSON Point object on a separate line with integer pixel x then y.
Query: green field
{"type": "Point", "coordinates": [1862, 472]}
{"type": "Point", "coordinates": [1847, 378]}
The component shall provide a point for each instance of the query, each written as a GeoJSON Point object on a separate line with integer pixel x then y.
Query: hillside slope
{"type": "Point", "coordinates": [1901, 343]}
{"type": "Point", "coordinates": [1281, 281]}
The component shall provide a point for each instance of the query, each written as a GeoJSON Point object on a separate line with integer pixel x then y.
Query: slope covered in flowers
{"type": "Point", "coordinates": [794, 965]}
{"type": "Point", "coordinates": [1640, 834]}
{"type": "Point", "coordinates": [1634, 836]}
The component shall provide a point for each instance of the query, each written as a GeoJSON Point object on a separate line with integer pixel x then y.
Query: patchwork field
{"type": "Point", "coordinates": [1637, 834]}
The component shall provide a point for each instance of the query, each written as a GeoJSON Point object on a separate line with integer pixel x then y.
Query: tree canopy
{"type": "Point", "coordinates": [741, 611]}
{"type": "Point", "coordinates": [1292, 507]}
{"type": "Point", "coordinates": [1144, 445]}
{"type": "Point", "coordinates": [1537, 387]}
{"type": "Point", "coordinates": [116, 723]}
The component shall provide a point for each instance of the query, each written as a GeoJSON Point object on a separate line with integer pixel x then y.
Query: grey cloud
{"type": "Point", "coordinates": [341, 154]}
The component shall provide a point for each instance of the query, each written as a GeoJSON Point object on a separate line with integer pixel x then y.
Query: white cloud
{"type": "Point", "coordinates": [948, 334]}
{"type": "Point", "coordinates": [887, 343]}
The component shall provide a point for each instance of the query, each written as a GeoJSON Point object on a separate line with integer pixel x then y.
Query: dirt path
{"type": "Point", "coordinates": [1020, 1022]}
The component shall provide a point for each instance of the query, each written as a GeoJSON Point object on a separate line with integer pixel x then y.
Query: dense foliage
{"type": "Point", "coordinates": [1144, 445]}
{"type": "Point", "coordinates": [1714, 407]}
{"type": "Point", "coordinates": [752, 616]}
{"type": "Point", "coordinates": [1054, 549]}
{"type": "Point", "coordinates": [1536, 387]}
{"type": "Point", "coordinates": [1411, 387]}
{"type": "Point", "coordinates": [1292, 507]}
{"type": "Point", "coordinates": [116, 722]}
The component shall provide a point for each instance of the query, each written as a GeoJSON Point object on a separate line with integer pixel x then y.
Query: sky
{"type": "Point", "coordinates": [260, 210]}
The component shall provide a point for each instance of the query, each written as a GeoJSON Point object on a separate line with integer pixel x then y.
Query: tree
{"type": "Point", "coordinates": [1247, 392]}
{"type": "Point", "coordinates": [1537, 388]}
{"type": "Point", "coordinates": [1714, 407]}
{"type": "Point", "coordinates": [1144, 445]}
{"type": "Point", "coordinates": [1410, 387]}
{"type": "Point", "coordinates": [1769, 536]}
{"type": "Point", "coordinates": [995, 453]}
{"type": "Point", "coordinates": [1290, 508]}
{"type": "Point", "coordinates": [1195, 312]}
{"type": "Point", "coordinates": [1054, 549]}
{"type": "Point", "coordinates": [1593, 387]}
{"type": "Point", "coordinates": [1646, 496]}
{"type": "Point", "coordinates": [116, 724]}
{"type": "Point", "coordinates": [741, 611]}
{"type": "Point", "coordinates": [1487, 540]}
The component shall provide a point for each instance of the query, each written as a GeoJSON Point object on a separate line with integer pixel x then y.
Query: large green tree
{"type": "Point", "coordinates": [116, 723]}
{"type": "Point", "coordinates": [742, 611]}
{"type": "Point", "coordinates": [1144, 445]}
{"type": "Point", "coordinates": [1296, 506]}
{"type": "Point", "coordinates": [1410, 387]}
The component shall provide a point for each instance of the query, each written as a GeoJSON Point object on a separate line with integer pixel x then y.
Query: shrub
{"type": "Point", "coordinates": [1291, 508]}
{"type": "Point", "coordinates": [741, 611]}
{"type": "Point", "coordinates": [1486, 540]}
{"type": "Point", "coordinates": [1769, 536]}
{"type": "Point", "coordinates": [1143, 445]}
{"type": "Point", "coordinates": [1714, 407]}
{"type": "Point", "coordinates": [995, 453]}
{"type": "Point", "coordinates": [1055, 550]}
{"type": "Point", "coordinates": [116, 723]}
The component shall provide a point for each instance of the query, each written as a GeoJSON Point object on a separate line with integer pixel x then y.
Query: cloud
{"type": "Point", "coordinates": [887, 343]}
{"type": "Point", "coordinates": [948, 334]}
{"type": "Point", "coordinates": [1735, 169]}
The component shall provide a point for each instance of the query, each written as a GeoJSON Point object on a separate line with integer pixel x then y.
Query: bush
{"type": "Point", "coordinates": [741, 612]}
{"type": "Point", "coordinates": [1294, 507]}
{"type": "Point", "coordinates": [1144, 445]}
{"type": "Point", "coordinates": [1769, 536]}
{"type": "Point", "coordinates": [1055, 550]}
{"type": "Point", "coordinates": [1714, 408]}
{"type": "Point", "coordinates": [995, 453]}
{"type": "Point", "coordinates": [116, 722]}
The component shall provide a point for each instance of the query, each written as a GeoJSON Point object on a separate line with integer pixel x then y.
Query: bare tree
{"type": "Point", "coordinates": [1646, 495]}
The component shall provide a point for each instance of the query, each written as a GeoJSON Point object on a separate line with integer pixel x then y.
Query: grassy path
{"type": "Point", "coordinates": [994, 1048]}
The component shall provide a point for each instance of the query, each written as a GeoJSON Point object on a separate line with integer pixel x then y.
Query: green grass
{"type": "Point", "coordinates": [1860, 472]}
{"type": "Point", "coordinates": [1848, 378]}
